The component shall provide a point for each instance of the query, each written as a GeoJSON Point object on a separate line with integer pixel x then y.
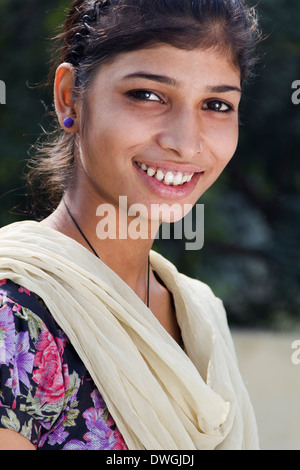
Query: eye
{"type": "Point", "coordinates": [218, 106]}
{"type": "Point", "coordinates": [144, 95]}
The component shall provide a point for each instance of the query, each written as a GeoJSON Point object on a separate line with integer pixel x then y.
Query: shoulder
{"type": "Point", "coordinates": [27, 313]}
{"type": "Point", "coordinates": [20, 300]}
{"type": "Point", "coordinates": [32, 375]}
{"type": "Point", "coordinates": [199, 292]}
{"type": "Point", "coordinates": [191, 292]}
{"type": "Point", "coordinates": [209, 308]}
{"type": "Point", "coordinates": [46, 392]}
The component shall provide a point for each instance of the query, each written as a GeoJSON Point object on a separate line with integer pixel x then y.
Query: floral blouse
{"type": "Point", "coordinates": [46, 392]}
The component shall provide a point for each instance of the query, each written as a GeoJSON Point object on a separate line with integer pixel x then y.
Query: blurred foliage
{"type": "Point", "coordinates": [251, 255]}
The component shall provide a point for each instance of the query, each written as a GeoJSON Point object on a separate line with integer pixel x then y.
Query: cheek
{"type": "Point", "coordinates": [97, 146]}
{"type": "Point", "coordinates": [225, 145]}
{"type": "Point", "coordinates": [113, 138]}
{"type": "Point", "coordinates": [222, 146]}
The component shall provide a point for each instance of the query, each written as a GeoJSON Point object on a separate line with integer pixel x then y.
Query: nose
{"type": "Point", "coordinates": [181, 135]}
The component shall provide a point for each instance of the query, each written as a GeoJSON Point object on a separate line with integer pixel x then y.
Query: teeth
{"type": "Point", "coordinates": [169, 178]}
{"type": "Point", "coordinates": [159, 175]}
{"type": "Point", "coordinates": [150, 172]}
{"type": "Point", "coordinates": [178, 179]}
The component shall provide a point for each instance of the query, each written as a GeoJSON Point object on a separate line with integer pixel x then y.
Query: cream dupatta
{"type": "Point", "coordinates": [161, 397]}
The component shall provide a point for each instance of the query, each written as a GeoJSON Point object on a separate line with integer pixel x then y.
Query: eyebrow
{"type": "Point", "coordinates": [156, 78]}
{"type": "Point", "coordinates": [174, 83]}
{"type": "Point", "coordinates": [223, 89]}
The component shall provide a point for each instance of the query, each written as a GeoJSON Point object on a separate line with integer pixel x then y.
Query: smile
{"type": "Point", "coordinates": [169, 178]}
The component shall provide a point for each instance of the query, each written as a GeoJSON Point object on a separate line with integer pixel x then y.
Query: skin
{"type": "Point", "coordinates": [165, 127]}
{"type": "Point", "coordinates": [11, 440]}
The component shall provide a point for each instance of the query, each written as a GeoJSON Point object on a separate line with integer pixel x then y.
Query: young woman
{"type": "Point", "coordinates": [104, 345]}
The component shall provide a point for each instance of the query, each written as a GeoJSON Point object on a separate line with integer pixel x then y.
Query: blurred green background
{"type": "Point", "coordinates": [251, 254]}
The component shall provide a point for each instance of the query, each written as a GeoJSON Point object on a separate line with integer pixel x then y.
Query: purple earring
{"type": "Point", "coordinates": [68, 122]}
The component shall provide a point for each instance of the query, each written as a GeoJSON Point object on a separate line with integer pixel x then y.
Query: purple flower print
{"type": "Point", "coordinates": [7, 335]}
{"type": "Point", "coordinates": [44, 384]}
{"type": "Point", "coordinates": [58, 435]}
{"type": "Point", "coordinates": [23, 364]}
{"type": "Point", "coordinates": [100, 436]}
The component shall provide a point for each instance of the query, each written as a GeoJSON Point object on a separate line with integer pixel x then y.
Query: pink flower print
{"type": "Point", "coordinates": [51, 374]}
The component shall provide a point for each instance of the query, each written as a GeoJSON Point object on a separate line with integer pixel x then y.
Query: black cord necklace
{"type": "Point", "coordinates": [95, 253]}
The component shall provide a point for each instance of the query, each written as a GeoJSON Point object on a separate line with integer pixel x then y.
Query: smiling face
{"type": "Point", "coordinates": [161, 125]}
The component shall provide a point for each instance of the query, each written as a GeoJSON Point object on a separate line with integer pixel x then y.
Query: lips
{"type": "Point", "coordinates": [168, 177]}
{"type": "Point", "coordinates": [167, 181]}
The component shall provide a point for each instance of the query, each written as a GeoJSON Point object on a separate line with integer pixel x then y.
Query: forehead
{"type": "Point", "coordinates": [185, 68]}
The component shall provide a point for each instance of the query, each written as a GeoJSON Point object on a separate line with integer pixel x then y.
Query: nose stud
{"type": "Point", "coordinates": [200, 148]}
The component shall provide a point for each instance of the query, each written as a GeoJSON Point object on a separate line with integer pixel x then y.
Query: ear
{"type": "Point", "coordinates": [65, 103]}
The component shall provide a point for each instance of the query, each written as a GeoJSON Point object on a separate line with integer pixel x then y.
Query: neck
{"type": "Point", "coordinates": [127, 257]}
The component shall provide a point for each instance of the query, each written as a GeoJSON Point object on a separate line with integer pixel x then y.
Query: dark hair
{"type": "Point", "coordinates": [96, 31]}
